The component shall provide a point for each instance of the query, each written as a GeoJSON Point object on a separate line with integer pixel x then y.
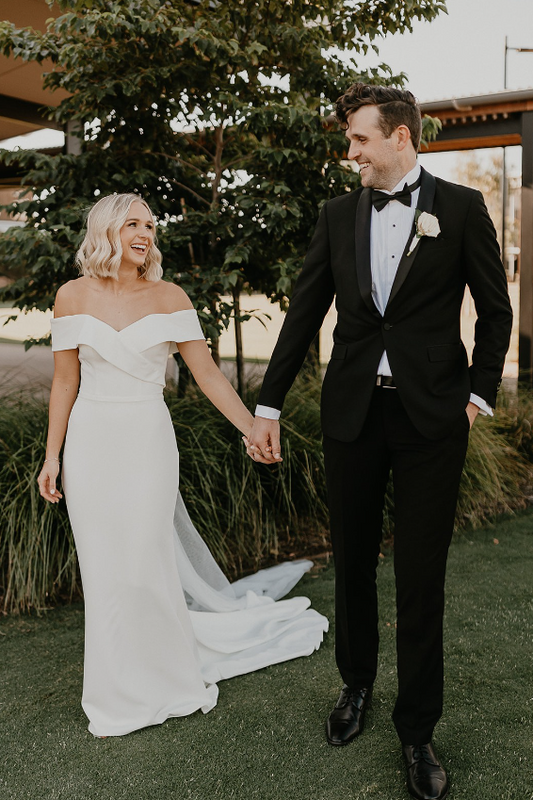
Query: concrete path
{"type": "Point", "coordinates": [25, 370]}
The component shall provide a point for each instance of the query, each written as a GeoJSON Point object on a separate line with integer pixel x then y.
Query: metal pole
{"type": "Point", "coordinates": [504, 205]}
{"type": "Point", "coordinates": [504, 170]}
{"type": "Point", "coordinates": [505, 65]}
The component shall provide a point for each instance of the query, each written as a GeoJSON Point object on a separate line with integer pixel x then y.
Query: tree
{"type": "Point", "coordinates": [218, 113]}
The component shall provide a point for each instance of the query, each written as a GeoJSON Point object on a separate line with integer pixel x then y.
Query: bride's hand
{"type": "Point", "coordinates": [47, 482]}
{"type": "Point", "coordinates": [254, 452]}
{"type": "Point", "coordinates": [262, 443]}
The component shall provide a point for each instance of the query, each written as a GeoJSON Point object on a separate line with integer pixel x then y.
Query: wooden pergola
{"type": "Point", "coordinates": [22, 96]}
{"type": "Point", "coordinates": [498, 120]}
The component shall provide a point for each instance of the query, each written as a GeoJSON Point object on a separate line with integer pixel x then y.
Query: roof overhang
{"type": "Point", "coordinates": [490, 120]}
{"type": "Point", "coordinates": [23, 101]}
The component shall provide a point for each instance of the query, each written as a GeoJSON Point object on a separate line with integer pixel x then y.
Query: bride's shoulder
{"type": "Point", "coordinates": [69, 297]}
{"type": "Point", "coordinates": [172, 297]}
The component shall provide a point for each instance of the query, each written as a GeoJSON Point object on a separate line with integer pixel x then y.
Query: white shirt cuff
{"type": "Point", "coordinates": [484, 409]}
{"type": "Point", "coordinates": [267, 413]}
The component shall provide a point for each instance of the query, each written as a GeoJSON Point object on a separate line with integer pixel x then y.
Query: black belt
{"type": "Point", "coordinates": [385, 382]}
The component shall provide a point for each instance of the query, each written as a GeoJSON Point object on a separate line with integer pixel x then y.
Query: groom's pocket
{"type": "Point", "coordinates": [444, 352]}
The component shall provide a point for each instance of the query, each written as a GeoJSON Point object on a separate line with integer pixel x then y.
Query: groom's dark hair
{"type": "Point", "coordinates": [396, 107]}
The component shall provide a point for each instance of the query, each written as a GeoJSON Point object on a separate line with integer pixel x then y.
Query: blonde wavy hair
{"type": "Point", "coordinates": [100, 253]}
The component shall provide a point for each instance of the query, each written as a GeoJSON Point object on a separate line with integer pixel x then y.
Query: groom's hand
{"type": "Point", "coordinates": [472, 411]}
{"type": "Point", "coordinates": [263, 441]}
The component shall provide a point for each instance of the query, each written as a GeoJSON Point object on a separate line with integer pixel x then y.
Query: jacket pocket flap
{"type": "Point", "coordinates": [444, 352]}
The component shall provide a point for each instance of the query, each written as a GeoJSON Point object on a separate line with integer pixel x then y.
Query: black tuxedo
{"type": "Point", "coordinates": [419, 430]}
{"type": "Point", "coordinates": [421, 327]}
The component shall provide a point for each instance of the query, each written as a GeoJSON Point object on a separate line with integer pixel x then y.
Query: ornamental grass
{"type": "Point", "coordinates": [248, 514]}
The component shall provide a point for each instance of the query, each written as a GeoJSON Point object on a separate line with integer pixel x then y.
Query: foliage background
{"type": "Point", "coordinates": [219, 114]}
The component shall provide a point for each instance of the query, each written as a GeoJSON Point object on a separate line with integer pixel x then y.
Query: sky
{"type": "Point", "coordinates": [457, 55]}
{"type": "Point", "coordinates": [461, 53]}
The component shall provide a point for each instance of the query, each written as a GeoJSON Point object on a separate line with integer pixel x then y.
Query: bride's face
{"type": "Point", "coordinates": [137, 235]}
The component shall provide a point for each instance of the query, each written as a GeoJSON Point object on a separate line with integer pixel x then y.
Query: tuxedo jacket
{"type": "Point", "coordinates": [420, 327]}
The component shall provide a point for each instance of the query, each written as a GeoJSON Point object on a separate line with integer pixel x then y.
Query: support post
{"type": "Point", "coordinates": [73, 137]}
{"type": "Point", "coordinates": [525, 340]}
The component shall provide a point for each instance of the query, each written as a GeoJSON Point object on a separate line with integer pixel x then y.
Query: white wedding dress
{"type": "Point", "coordinates": [162, 623]}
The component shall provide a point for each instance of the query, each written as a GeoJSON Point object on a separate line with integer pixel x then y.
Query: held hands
{"type": "Point", "coordinates": [47, 481]}
{"type": "Point", "coordinates": [263, 442]}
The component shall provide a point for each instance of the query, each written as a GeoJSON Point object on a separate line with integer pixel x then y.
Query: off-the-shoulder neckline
{"type": "Point", "coordinates": [91, 316]}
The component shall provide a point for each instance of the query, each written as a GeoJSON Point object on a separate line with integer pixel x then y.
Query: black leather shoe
{"type": "Point", "coordinates": [347, 718]}
{"type": "Point", "coordinates": [426, 777]}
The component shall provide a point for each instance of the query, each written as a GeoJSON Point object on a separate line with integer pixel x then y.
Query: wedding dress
{"type": "Point", "coordinates": [162, 623]}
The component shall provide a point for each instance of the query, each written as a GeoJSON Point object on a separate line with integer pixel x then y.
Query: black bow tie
{"type": "Point", "coordinates": [380, 199]}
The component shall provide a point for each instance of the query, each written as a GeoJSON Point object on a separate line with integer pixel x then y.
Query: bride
{"type": "Point", "coordinates": [162, 623]}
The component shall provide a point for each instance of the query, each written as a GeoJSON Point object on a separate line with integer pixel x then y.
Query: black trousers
{"type": "Point", "coordinates": [426, 477]}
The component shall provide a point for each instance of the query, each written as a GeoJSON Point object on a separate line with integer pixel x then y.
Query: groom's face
{"type": "Point", "coordinates": [378, 157]}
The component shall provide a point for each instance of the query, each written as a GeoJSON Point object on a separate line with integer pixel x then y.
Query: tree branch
{"type": "Point", "coordinates": [195, 143]}
{"type": "Point", "coordinates": [180, 161]}
{"type": "Point", "coordinates": [239, 160]}
{"type": "Point", "coordinates": [219, 148]}
{"type": "Point", "coordinates": [188, 189]}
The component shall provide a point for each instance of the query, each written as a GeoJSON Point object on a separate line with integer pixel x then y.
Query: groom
{"type": "Point", "coordinates": [398, 396]}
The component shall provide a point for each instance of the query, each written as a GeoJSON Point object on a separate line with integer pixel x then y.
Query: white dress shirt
{"type": "Point", "coordinates": [389, 230]}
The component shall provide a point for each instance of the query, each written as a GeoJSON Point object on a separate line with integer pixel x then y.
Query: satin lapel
{"type": "Point", "coordinates": [363, 216]}
{"type": "Point", "coordinates": [425, 203]}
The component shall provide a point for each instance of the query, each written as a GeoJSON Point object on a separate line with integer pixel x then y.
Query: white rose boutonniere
{"type": "Point", "coordinates": [426, 225]}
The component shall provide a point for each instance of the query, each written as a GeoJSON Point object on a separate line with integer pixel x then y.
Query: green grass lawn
{"type": "Point", "coordinates": [265, 739]}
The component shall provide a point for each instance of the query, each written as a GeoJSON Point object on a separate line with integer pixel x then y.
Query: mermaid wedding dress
{"type": "Point", "coordinates": [162, 623]}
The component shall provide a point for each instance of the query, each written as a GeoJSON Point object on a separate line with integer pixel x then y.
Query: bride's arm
{"type": "Point", "coordinates": [214, 385]}
{"type": "Point", "coordinates": [217, 388]}
{"type": "Point", "coordinates": [205, 372]}
{"type": "Point", "coordinates": [62, 396]}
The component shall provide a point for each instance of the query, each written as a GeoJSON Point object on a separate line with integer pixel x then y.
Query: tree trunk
{"type": "Point", "coordinates": [239, 358]}
{"type": "Point", "coordinates": [215, 351]}
{"type": "Point", "coordinates": [215, 201]}
{"type": "Point", "coordinates": [184, 376]}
